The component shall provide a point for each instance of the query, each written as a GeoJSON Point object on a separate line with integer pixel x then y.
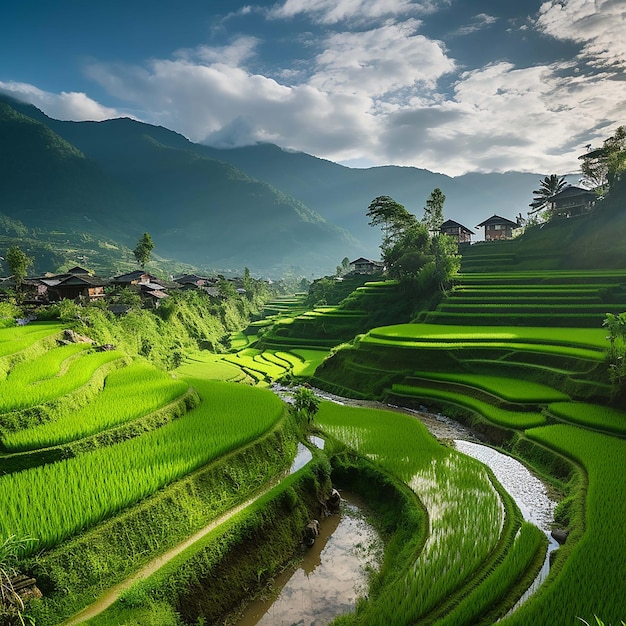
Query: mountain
{"type": "Point", "coordinates": [261, 206]}
{"type": "Point", "coordinates": [120, 177]}
{"type": "Point", "coordinates": [342, 194]}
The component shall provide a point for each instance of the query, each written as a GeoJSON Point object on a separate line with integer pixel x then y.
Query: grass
{"type": "Point", "coordinates": [591, 415]}
{"type": "Point", "coordinates": [52, 502]}
{"type": "Point", "coordinates": [128, 393]}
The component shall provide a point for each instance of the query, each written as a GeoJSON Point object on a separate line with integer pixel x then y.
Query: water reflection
{"type": "Point", "coordinates": [330, 578]}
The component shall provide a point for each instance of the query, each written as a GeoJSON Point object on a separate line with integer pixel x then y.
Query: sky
{"type": "Point", "coordinates": [452, 86]}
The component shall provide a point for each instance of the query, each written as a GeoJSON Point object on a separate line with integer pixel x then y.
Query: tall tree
{"type": "Point", "coordinates": [19, 263]}
{"type": "Point", "coordinates": [548, 187]}
{"type": "Point", "coordinates": [142, 250]}
{"type": "Point", "coordinates": [433, 211]}
{"type": "Point", "coordinates": [602, 168]}
{"type": "Point", "coordinates": [384, 211]}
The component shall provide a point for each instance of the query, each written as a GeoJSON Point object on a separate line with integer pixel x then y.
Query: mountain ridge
{"type": "Point", "coordinates": [262, 206]}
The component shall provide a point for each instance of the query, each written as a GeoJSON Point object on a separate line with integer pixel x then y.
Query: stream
{"type": "Point", "coordinates": [529, 492]}
{"type": "Point", "coordinates": [330, 577]}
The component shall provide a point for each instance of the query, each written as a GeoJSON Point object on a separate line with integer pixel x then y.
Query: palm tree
{"type": "Point", "coordinates": [549, 186]}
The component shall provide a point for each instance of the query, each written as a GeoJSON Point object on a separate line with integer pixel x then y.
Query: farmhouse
{"type": "Point", "coordinates": [498, 228]}
{"type": "Point", "coordinates": [453, 229]}
{"type": "Point", "coordinates": [366, 266]}
{"type": "Point", "coordinates": [571, 202]}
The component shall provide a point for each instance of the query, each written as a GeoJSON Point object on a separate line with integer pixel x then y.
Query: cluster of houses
{"type": "Point", "coordinates": [572, 201]}
{"type": "Point", "coordinates": [78, 283]}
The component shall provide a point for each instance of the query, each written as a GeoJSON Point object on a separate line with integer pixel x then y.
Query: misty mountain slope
{"type": "Point", "coordinates": [48, 184]}
{"type": "Point", "coordinates": [198, 210]}
{"type": "Point", "coordinates": [342, 194]}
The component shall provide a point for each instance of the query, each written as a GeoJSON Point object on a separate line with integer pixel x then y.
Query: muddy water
{"type": "Point", "coordinates": [330, 578]}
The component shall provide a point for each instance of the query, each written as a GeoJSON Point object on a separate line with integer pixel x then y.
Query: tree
{"type": "Point", "coordinates": [602, 168]}
{"type": "Point", "coordinates": [344, 268]}
{"type": "Point", "coordinates": [18, 263]}
{"type": "Point", "coordinates": [142, 250]}
{"type": "Point", "coordinates": [306, 403]}
{"type": "Point", "coordinates": [384, 211]}
{"type": "Point", "coordinates": [548, 187]}
{"type": "Point", "coordinates": [433, 211]}
{"type": "Point", "coordinates": [406, 257]}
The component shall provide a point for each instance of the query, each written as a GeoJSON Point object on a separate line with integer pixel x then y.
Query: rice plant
{"type": "Point", "coordinates": [17, 338]}
{"type": "Point", "coordinates": [465, 511]}
{"type": "Point", "coordinates": [28, 388]}
{"type": "Point", "coordinates": [591, 581]}
{"type": "Point", "coordinates": [503, 417]}
{"type": "Point", "coordinates": [128, 393]}
{"type": "Point", "coordinates": [52, 502]}
{"type": "Point", "coordinates": [510, 389]}
{"type": "Point", "coordinates": [591, 415]}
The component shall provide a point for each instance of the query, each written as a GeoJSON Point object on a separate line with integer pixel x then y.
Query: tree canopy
{"type": "Point", "coordinates": [548, 187]}
{"type": "Point", "coordinates": [19, 263]}
{"type": "Point", "coordinates": [142, 250]}
{"type": "Point", "coordinates": [602, 168]}
{"type": "Point", "coordinates": [433, 211]}
{"type": "Point", "coordinates": [408, 249]}
{"type": "Point", "coordinates": [384, 211]}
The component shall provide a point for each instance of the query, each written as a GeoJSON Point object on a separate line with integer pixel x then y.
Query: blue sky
{"type": "Point", "coordinates": [448, 85]}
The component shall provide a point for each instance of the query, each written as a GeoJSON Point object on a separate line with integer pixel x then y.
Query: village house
{"type": "Point", "coordinates": [366, 266]}
{"type": "Point", "coordinates": [453, 229]}
{"type": "Point", "coordinates": [571, 202]}
{"type": "Point", "coordinates": [77, 282]}
{"type": "Point", "coordinates": [498, 228]}
{"type": "Point", "coordinates": [151, 289]}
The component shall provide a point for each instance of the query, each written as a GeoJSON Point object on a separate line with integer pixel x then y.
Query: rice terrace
{"type": "Point", "coordinates": [449, 423]}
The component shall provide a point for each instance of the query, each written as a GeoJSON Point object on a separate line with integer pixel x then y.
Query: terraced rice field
{"type": "Point", "coordinates": [53, 501]}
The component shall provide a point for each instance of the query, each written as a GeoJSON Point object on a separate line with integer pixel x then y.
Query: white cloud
{"type": "Point", "coordinates": [333, 11]}
{"type": "Point", "coordinates": [600, 25]}
{"type": "Point", "coordinates": [481, 21]}
{"type": "Point", "coordinates": [372, 95]}
{"type": "Point", "coordinates": [72, 105]}
{"type": "Point", "coordinates": [380, 60]}
{"type": "Point", "coordinates": [501, 118]}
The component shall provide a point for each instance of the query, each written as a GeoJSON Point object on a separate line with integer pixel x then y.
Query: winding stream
{"type": "Point", "coordinates": [332, 574]}
{"type": "Point", "coordinates": [528, 491]}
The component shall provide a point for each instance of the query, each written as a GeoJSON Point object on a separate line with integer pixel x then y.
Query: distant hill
{"type": "Point", "coordinates": [342, 194]}
{"type": "Point", "coordinates": [260, 206]}
{"type": "Point", "coordinates": [119, 178]}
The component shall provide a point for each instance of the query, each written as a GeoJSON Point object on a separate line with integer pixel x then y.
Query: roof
{"type": "Point", "coordinates": [364, 260]}
{"type": "Point", "coordinates": [497, 219]}
{"type": "Point", "coordinates": [81, 279]}
{"type": "Point", "coordinates": [571, 192]}
{"type": "Point", "coordinates": [77, 269]}
{"type": "Point", "coordinates": [453, 224]}
{"type": "Point", "coordinates": [130, 276]}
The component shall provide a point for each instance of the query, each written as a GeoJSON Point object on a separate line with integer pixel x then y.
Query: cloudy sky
{"type": "Point", "coordinates": [448, 85]}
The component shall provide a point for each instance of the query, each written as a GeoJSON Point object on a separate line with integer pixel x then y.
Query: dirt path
{"type": "Point", "coordinates": [112, 594]}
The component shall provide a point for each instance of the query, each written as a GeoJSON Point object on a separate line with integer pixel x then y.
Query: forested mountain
{"type": "Point", "coordinates": [257, 206]}
{"type": "Point", "coordinates": [118, 178]}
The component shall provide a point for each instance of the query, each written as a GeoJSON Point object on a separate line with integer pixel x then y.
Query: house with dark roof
{"type": "Point", "coordinates": [75, 286]}
{"type": "Point", "coordinates": [498, 228]}
{"type": "Point", "coordinates": [366, 266]}
{"type": "Point", "coordinates": [453, 229]}
{"type": "Point", "coordinates": [571, 202]}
